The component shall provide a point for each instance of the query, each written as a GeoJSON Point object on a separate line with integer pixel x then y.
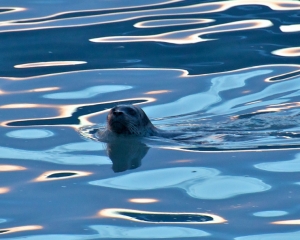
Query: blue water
{"type": "Point", "coordinates": [225, 73]}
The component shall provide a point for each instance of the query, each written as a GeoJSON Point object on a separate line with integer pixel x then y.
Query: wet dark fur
{"type": "Point", "coordinates": [132, 121]}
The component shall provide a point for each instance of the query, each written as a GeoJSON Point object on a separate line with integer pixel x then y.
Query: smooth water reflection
{"type": "Point", "coordinates": [59, 155]}
{"type": "Point", "coordinates": [202, 183]}
{"type": "Point", "coordinates": [272, 236]}
{"type": "Point", "coordinates": [146, 232]}
{"type": "Point", "coordinates": [270, 213]}
{"type": "Point", "coordinates": [155, 179]}
{"type": "Point", "coordinates": [222, 187]}
{"type": "Point", "coordinates": [30, 133]}
{"type": "Point", "coordinates": [87, 93]}
{"type": "Point", "coordinates": [109, 231]}
{"type": "Point", "coordinates": [281, 166]}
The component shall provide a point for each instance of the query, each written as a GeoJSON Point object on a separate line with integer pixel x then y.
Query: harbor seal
{"type": "Point", "coordinates": [129, 120]}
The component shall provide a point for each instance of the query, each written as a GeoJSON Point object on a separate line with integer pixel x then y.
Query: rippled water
{"type": "Point", "coordinates": [224, 72]}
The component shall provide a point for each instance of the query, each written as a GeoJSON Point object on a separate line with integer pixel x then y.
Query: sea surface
{"type": "Point", "coordinates": [226, 73]}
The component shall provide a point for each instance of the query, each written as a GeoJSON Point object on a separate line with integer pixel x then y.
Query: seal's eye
{"type": "Point", "coordinates": [131, 112]}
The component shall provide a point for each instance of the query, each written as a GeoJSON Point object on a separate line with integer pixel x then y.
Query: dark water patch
{"type": "Point", "coordinates": [285, 76]}
{"type": "Point", "coordinates": [249, 115]}
{"type": "Point", "coordinates": [74, 118]}
{"type": "Point", "coordinates": [251, 8]}
{"type": "Point", "coordinates": [162, 217]}
{"type": "Point", "coordinates": [232, 149]}
{"type": "Point", "coordinates": [7, 10]}
{"type": "Point", "coordinates": [61, 175]}
{"type": "Point", "coordinates": [96, 57]}
{"type": "Point", "coordinates": [247, 12]}
{"type": "Point", "coordinates": [20, 229]}
{"type": "Point", "coordinates": [167, 218]}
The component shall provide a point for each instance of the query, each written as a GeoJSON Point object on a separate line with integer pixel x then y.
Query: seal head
{"type": "Point", "coordinates": [130, 120]}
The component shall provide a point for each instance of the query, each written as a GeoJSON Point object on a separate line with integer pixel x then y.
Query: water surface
{"type": "Point", "coordinates": [224, 72]}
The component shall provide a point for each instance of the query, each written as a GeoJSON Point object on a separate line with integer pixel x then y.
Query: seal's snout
{"type": "Point", "coordinates": [117, 113]}
{"type": "Point", "coordinates": [129, 120]}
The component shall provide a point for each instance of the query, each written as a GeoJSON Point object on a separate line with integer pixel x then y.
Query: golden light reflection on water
{"type": "Point", "coordinates": [171, 22]}
{"type": "Point", "coordinates": [8, 168]}
{"type": "Point", "coordinates": [127, 15]}
{"type": "Point", "coordinates": [45, 19]}
{"type": "Point", "coordinates": [58, 175]}
{"type": "Point", "coordinates": [283, 5]}
{"type": "Point", "coordinates": [254, 102]}
{"type": "Point", "coordinates": [288, 52]}
{"type": "Point", "coordinates": [20, 229]}
{"type": "Point", "coordinates": [4, 190]}
{"type": "Point", "coordinates": [44, 75]}
{"type": "Point", "coordinates": [11, 9]}
{"type": "Point", "coordinates": [121, 213]}
{"type": "Point", "coordinates": [280, 107]}
{"type": "Point", "coordinates": [26, 105]}
{"type": "Point", "coordinates": [157, 92]}
{"type": "Point", "coordinates": [47, 89]}
{"type": "Point", "coordinates": [143, 200]}
{"type": "Point", "coordinates": [271, 108]}
{"type": "Point", "coordinates": [65, 111]}
{"type": "Point", "coordinates": [73, 21]}
{"type": "Point", "coordinates": [183, 161]}
{"type": "Point", "coordinates": [49, 64]}
{"type": "Point", "coordinates": [191, 35]}
{"type": "Point", "coordinates": [290, 28]}
{"type": "Point", "coordinates": [246, 91]}
{"type": "Point", "coordinates": [288, 222]}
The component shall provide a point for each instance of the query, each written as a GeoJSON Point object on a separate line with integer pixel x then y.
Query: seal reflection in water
{"type": "Point", "coordinates": [125, 124]}
{"type": "Point", "coordinates": [126, 154]}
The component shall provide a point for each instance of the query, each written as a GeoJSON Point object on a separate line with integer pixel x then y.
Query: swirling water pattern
{"type": "Point", "coordinates": [224, 72]}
